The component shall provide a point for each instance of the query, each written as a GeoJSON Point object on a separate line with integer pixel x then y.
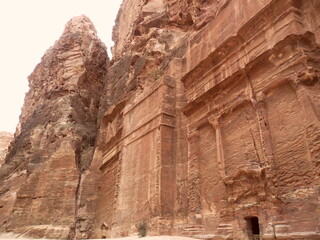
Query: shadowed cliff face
{"type": "Point", "coordinates": [205, 123]}
{"type": "Point", "coordinates": [55, 140]}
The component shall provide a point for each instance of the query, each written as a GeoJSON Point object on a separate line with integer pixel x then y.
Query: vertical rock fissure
{"type": "Point", "coordinates": [83, 160]}
{"type": "Point", "coordinates": [56, 139]}
{"type": "Point", "coordinates": [203, 119]}
{"type": "Point", "coordinates": [77, 193]}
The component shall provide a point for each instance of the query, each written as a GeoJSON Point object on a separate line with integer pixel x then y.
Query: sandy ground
{"type": "Point", "coordinates": [154, 238]}
{"type": "Point", "coordinates": [15, 236]}
{"type": "Point", "coordinates": [2, 237]}
{"type": "Point", "coordinates": [10, 235]}
{"type": "Point", "coordinates": [125, 238]}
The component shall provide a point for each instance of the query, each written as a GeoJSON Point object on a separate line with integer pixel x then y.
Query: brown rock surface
{"type": "Point", "coordinates": [5, 139]}
{"type": "Point", "coordinates": [56, 136]}
{"type": "Point", "coordinates": [208, 126]}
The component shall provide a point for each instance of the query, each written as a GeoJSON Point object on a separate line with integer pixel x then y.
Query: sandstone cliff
{"type": "Point", "coordinates": [56, 136]}
{"type": "Point", "coordinates": [5, 139]}
{"type": "Point", "coordinates": [205, 123]}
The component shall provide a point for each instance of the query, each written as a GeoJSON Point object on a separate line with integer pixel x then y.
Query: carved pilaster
{"type": "Point", "coordinates": [257, 101]}
{"type": "Point", "coordinates": [307, 88]}
{"type": "Point", "coordinates": [117, 188]}
{"type": "Point", "coordinates": [265, 134]}
{"type": "Point", "coordinates": [220, 152]}
{"type": "Point", "coordinates": [194, 175]}
{"type": "Point", "coordinates": [268, 157]}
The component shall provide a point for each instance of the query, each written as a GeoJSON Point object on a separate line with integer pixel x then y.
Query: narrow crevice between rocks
{"type": "Point", "coordinates": [73, 230]}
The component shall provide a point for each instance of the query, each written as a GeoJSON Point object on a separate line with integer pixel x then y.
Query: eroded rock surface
{"type": "Point", "coordinates": [208, 126]}
{"type": "Point", "coordinates": [56, 137]}
{"type": "Point", "coordinates": [5, 139]}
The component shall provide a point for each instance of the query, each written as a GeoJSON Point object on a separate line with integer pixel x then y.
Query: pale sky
{"type": "Point", "coordinates": [27, 29]}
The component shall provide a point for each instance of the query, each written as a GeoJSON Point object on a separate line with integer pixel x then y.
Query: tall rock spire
{"type": "Point", "coordinates": [56, 135]}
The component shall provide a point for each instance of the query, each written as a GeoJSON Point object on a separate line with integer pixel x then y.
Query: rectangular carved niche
{"type": "Point", "coordinates": [107, 189]}
{"type": "Point", "coordinates": [139, 185]}
{"type": "Point", "coordinates": [241, 138]}
{"type": "Point", "coordinates": [292, 167]}
{"type": "Point", "coordinates": [209, 170]}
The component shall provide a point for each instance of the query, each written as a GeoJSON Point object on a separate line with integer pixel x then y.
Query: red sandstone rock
{"type": "Point", "coordinates": [5, 139]}
{"type": "Point", "coordinates": [56, 136]}
{"type": "Point", "coordinates": [208, 126]}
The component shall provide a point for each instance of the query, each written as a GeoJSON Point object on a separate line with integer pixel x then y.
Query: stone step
{"type": "Point", "coordinates": [224, 229]}
{"type": "Point", "coordinates": [192, 230]}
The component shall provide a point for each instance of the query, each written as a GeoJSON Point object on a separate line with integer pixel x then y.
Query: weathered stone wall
{"type": "Point", "coordinates": [240, 65]}
{"type": "Point", "coordinates": [251, 91]}
{"type": "Point", "coordinates": [208, 125]}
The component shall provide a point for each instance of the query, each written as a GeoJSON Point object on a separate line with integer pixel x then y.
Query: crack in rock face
{"type": "Point", "coordinates": [55, 141]}
{"type": "Point", "coordinates": [205, 124]}
{"type": "Point", "coordinates": [5, 139]}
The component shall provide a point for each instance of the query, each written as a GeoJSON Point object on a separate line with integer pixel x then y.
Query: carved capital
{"type": "Point", "coordinates": [193, 135]}
{"type": "Point", "coordinates": [308, 77]}
{"type": "Point", "coordinates": [214, 121]}
{"type": "Point", "coordinates": [260, 96]}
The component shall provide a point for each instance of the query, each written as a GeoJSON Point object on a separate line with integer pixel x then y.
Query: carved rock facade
{"type": "Point", "coordinates": [253, 122]}
{"type": "Point", "coordinates": [208, 126]}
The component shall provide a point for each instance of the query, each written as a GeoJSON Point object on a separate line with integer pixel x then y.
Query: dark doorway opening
{"type": "Point", "coordinates": [254, 229]}
{"type": "Point", "coordinates": [255, 226]}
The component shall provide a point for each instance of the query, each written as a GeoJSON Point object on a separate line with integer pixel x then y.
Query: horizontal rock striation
{"type": "Point", "coordinates": [205, 123]}
{"type": "Point", "coordinates": [56, 137]}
